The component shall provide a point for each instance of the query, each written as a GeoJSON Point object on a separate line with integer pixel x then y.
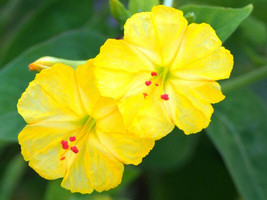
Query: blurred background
{"type": "Point", "coordinates": [205, 166]}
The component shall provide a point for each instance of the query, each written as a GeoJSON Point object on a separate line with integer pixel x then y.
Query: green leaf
{"type": "Point", "coordinates": [52, 18]}
{"type": "Point", "coordinates": [255, 31]}
{"type": "Point", "coordinates": [259, 11]}
{"type": "Point", "coordinates": [13, 10]}
{"type": "Point", "coordinates": [141, 5]}
{"type": "Point", "coordinates": [224, 20]}
{"type": "Point", "coordinates": [238, 130]}
{"type": "Point", "coordinates": [202, 178]}
{"type": "Point", "coordinates": [119, 12]}
{"type": "Point", "coordinates": [55, 191]}
{"type": "Point", "coordinates": [15, 76]}
{"type": "Point", "coordinates": [101, 23]}
{"type": "Point", "coordinates": [129, 175]}
{"type": "Point", "coordinates": [170, 152]}
{"type": "Point", "coordinates": [12, 175]}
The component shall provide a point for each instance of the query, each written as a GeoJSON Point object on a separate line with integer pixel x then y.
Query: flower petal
{"type": "Point", "coordinates": [146, 117]}
{"type": "Point", "coordinates": [121, 69]}
{"type": "Point", "coordinates": [118, 55]}
{"type": "Point", "coordinates": [95, 105]}
{"type": "Point", "coordinates": [128, 148]}
{"type": "Point", "coordinates": [47, 163]}
{"type": "Point", "coordinates": [187, 112]}
{"type": "Point", "coordinates": [77, 178]}
{"type": "Point", "coordinates": [104, 107]}
{"type": "Point", "coordinates": [199, 41]}
{"type": "Point", "coordinates": [36, 137]}
{"type": "Point", "coordinates": [200, 94]}
{"type": "Point", "coordinates": [40, 143]}
{"type": "Point", "coordinates": [86, 83]}
{"type": "Point", "coordinates": [112, 122]}
{"type": "Point", "coordinates": [200, 55]}
{"type": "Point", "coordinates": [52, 96]}
{"type": "Point", "coordinates": [92, 168]}
{"type": "Point", "coordinates": [157, 33]}
{"type": "Point", "coordinates": [170, 25]}
{"type": "Point", "coordinates": [218, 65]}
{"type": "Point", "coordinates": [207, 92]}
{"type": "Point", "coordinates": [139, 30]}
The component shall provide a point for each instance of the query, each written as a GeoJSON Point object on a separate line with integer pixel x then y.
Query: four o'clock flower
{"type": "Point", "coordinates": [163, 72]}
{"type": "Point", "coordinates": [75, 133]}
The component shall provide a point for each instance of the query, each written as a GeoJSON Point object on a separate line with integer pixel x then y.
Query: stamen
{"type": "Point", "coordinates": [72, 139]}
{"type": "Point", "coordinates": [62, 158]}
{"type": "Point", "coordinates": [164, 97]}
{"type": "Point", "coordinates": [154, 74]}
{"type": "Point", "coordinates": [156, 84]}
{"type": "Point", "coordinates": [65, 144]}
{"type": "Point", "coordinates": [148, 83]}
{"type": "Point", "coordinates": [74, 149]}
{"type": "Point", "coordinates": [145, 95]}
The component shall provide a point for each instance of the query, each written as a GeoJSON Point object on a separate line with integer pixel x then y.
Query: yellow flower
{"type": "Point", "coordinates": [75, 133]}
{"type": "Point", "coordinates": [163, 72]}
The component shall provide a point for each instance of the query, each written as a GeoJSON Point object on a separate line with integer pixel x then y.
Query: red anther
{"type": "Point", "coordinates": [164, 97]}
{"type": "Point", "coordinates": [72, 139]}
{"type": "Point", "coordinates": [64, 142]}
{"type": "Point", "coordinates": [62, 158]}
{"type": "Point", "coordinates": [65, 146]}
{"type": "Point", "coordinates": [145, 95]}
{"type": "Point", "coordinates": [74, 149]}
{"type": "Point", "coordinates": [148, 83]}
{"type": "Point", "coordinates": [154, 74]}
{"type": "Point", "coordinates": [156, 84]}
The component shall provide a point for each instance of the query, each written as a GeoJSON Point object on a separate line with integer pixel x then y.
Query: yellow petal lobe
{"type": "Point", "coordinates": [187, 107]}
{"type": "Point", "coordinates": [121, 68]}
{"type": "Point", "coordinates": [200, 56]}
{"type": "Point", "coordinates": [149, 118]}
{"type": "Point", "coordinates": [124, 145]}
{"type": "Point", "coordinates": [93, 168]}
{"type": "Point", "coordinates": [157, 33]}
{"type": "Point", "coordinates": [55, 100]}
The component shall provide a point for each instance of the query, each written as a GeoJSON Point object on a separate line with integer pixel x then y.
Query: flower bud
{"type": "Point", "coordinates": [48, 61]}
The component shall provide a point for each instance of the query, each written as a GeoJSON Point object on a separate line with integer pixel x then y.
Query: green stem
{"type": "Point", "coordinates": [245, 79]}
{"type": "Point", "coordinates": [73, 63]}
{"type": "Point", "coordinates": [168, 3]}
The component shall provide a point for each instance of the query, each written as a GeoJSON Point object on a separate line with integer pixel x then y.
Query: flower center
{"type": "Point", "coordinates": [158, 79]}
{"type": "Point", "coordinates": [70, 144]}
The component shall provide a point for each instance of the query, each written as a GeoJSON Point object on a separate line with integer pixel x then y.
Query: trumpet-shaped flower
{"type": "Point", "coordinates": [75, 133]}
{"type": "Point", "coordinates": [163, 72]}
